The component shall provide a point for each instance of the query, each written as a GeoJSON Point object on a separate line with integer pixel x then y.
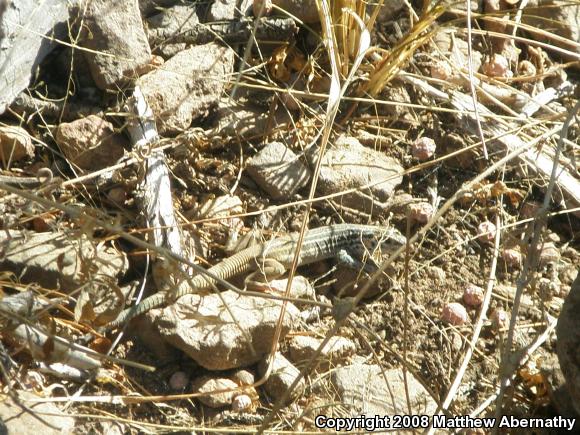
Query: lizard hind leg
{"type": "Point", "coordinates": [267, 270]}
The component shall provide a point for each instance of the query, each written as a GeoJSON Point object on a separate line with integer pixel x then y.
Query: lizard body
{"type": "Point", "coordinates": [340, 240]}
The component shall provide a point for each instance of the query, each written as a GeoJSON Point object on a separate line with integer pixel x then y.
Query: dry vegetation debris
{"type": "Point", "coordinates": [136, 133]}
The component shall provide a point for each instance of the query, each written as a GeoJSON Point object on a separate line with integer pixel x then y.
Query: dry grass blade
{"type": "Point", "coordinates": [390, 65]}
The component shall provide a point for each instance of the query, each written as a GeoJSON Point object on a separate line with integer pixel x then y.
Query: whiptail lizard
{"type": "Point", "coordinates": [346, 242]}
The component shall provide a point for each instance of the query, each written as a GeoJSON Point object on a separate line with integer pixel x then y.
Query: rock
{"type": "Point", "coordinates": [90, 142]}
{"type": "Point", "coordinates": [277, 170]}
{"type": "Point", "coordinates": [555, 17]}
{"type": "Point", "coordinates": [301, 287]}
{"type": "Point", "coordinates": [222, 10]}
{"type": "Point", "coordinates": [349, 165]}
{"type": "Point", "coordinates": [37, 418]}
{"type": "Point", "coordinates": [456, 50]}
{"type": "Point", "coordinates": [179, 381]}
{"type": "Point", "coordinates": [57, 260]}
{"type": "Point", "coordinates": [188, 85]}
{"type": "Point", "coordinates": [220, 207]}
{"type": "Point", "coordinates": [437, 274]}
{"type": "Point", "coordinates": [173, 19]}
{"type": "Point", "coordinates": [207, 385]}
{"type": "Point", "coordinates": [203, 328]}
{"type": "Point", "coordinates": [170, 21]}
{"type": "Point", "coordinates": [568, 342]}
{"type": "Point", "coordinates": [21, 51]}
{"type": "Point", "coordinates": [15, 144]}
{"type": "Point", "coordinates": [114, 34]}
{"type": "Point", "coordinates": [302, 348]}
{"type": "Point", "coordinates": [281, 378]}
{"type": "Point", "coordinates": [243, 377]}
{"type": "Point", "coordinates": [362, 389]}
{"type": "Point", "coordinates": [246, 121]}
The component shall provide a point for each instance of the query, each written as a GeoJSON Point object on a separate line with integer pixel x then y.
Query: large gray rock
{"type": "Point", "coordinates": [23, 24]}
{"type": "Point", "coordinates": [221, 10]}
{"type": "Point", "coordinates": [278, 171]}
{"type": "Point", "coordinates": [203, 328]}
{"type": "Point", "coordinates": [362, 389]}
{"type": "Point", "coordinates": [247, 121]}
{"type": "Point", "coordinates": [283, 375]}
{"type": "Point", "coordinates": [350, 165]}
{"type": "Point", "coordinates": [117, 42]}
{"type": "Point", "coordinates": [188, 85]}
{"type": "Point", "coordinates": [29, 418]}
{"type": "Point", "coordinates": [57, 260]}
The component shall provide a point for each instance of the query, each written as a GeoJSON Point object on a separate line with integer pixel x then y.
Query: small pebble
{"type": "Point", "coordinates": [549, 288]}
{"type": "Point", "coordinates": [454, 313]}
{"type": "Point", "coordinates": [549, 254]}
{"type": "Point", "coordinates": [420, 212]}
{"type": "Point", "coordinates": [178, 381]}
{"type": "Point", "coordinates": [441, 70]}
{"type": "Point", "coordinates": [512, 257]}
{"type": "Point", "coordinates": [497, 66]}
{"type": "Point", "coordinates": [473, 295]}
{"type": "Point", "coordinates": [241, 403]}
{"type": "Point", "coordinates": [500, 319]}
{"type": "Point", "coordinates": [486, 232]}
{"type": "Point", "coordinates": [423, 148]}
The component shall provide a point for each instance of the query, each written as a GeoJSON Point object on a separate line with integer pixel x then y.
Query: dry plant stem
{"type": "Point", "coordinates": [529, 266]}
{"type": "Point", "coordinates": [472, 80]}
{"type": "Point", "coordinates": [525, 356]}
{"type": "Point", "coordinates": [334, 96]}
{"type": "Point", "coordinates": [406, 316]}
{"type": "Point", "coordinates": [71, 353]}
{"type": "Point", "coordinates": [478, 326]}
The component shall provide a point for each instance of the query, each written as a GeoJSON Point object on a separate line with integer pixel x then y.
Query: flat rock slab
{"type": "Point", "coordinates": [278, 171]}
{"type": "Point", "coordinates": [40, 418]}
{"type": "Point", "coordinates": [56, 260]}
{"type": "Point", "coordinates": [350, 165]}
{"type": "Point", "coordinates": [115, 35]}
{"type": "Point", "coordinates": [247, 121]}
{"type": "Point", "coordinates": [283, 375]}
{"type": "Point", "coordinates": [23, 24]}
{"type": "Point", "coordinates": [188, 85]}
{"type": "Point", "coordinates": [203, 328]}
{"type": "Point", "coordinates": [302, 349]}
{"type": "Point", "coordinates": [362, 389]}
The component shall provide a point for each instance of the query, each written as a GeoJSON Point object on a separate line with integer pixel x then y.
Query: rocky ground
{"type": "Point", "coordinates": [461, 322]}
